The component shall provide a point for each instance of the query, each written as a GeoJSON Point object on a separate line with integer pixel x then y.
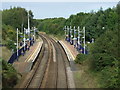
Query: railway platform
{"type": "Point", "coordinates": [71, 53]}
{"type": "Point", "coordinates": [70, 49]}
{"type": "Point", "coordinates": [24, 63]}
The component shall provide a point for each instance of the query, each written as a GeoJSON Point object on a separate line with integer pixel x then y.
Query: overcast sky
{"type": "Point", "coordinates": [43, 10]}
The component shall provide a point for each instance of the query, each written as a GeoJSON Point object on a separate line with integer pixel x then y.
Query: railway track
{"type": "Point", "coordinates": [57, 76]}
{"type": "Point", "coordinates": [49, 70]}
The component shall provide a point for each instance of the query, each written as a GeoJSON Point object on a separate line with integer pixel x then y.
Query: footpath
{"type": "Point", "coordinates": [24, 63]}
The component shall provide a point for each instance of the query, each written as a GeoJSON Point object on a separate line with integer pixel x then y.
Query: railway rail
{"type": "Point", "coordinates": [50, 68]}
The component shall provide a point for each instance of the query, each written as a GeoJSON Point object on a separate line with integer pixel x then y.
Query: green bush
{"type": "Point", "coordinates": [10, 45]}
{"type": "Point", "coordinates": [101, 60]}
{"type": "Point", "coordinates": [110, 77]}
{"type": "Point", "coordinates": [80, 58]}
{"type": "Point", "coordinates": [104, 57]}
{"type": "Point", "coordinates": [10, 77]}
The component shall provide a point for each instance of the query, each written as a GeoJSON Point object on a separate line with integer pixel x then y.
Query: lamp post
{"type": "Point", "coordinates": [24, 38]}
{"type": "Point", "coordinates": [67, 33]}
{"type": "Point", "coordinates": [71, 35]}
{"type": "Point", "coordinates": [65, 30]}
{"type": "Point", "coordinates": [78, 35]}
{"type": "Point", "coordinates": [34, 33]}
{"type": "Point", "coordinates": [84, 38]}
{"type": "Point", "coordinates": [74, 36]}
{"type": "Point", "coordinates": [28, 31]}
{"type": "Point", "coordinates": [17, 43]}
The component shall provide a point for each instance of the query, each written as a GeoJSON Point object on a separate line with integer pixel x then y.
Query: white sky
{"type": "Point", "coordinates": [60, 0]}
{"type": "Point", "coordinates": [64, 9]}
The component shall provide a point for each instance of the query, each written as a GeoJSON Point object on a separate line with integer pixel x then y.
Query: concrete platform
{"type": "Point", "coordinates": [70, 49]}
{"type": "Point", "coordinates": [70, 54]}
{"type": "Point", "coordinates": [24, 63]}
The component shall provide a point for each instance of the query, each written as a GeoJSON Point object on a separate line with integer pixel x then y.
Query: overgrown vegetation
{"type": "Point", "coordinates": [9, 75]}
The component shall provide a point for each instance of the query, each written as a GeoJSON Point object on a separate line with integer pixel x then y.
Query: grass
{"type": "Point", "coordinates": [6, 53]}
{"type": "Point", "coordinates": [84, 78]}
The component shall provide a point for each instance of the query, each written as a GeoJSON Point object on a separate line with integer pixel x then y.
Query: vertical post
{"type": "Point", "coordinates": [74, 36]}
{"type": "Point", "coordinates": [17, 43]}
{"type": "Point", "coordinates": [28, 26]}
{"type": "Point", "coordinates": [22, 30]}
{"type": "Point", "coordinates": [24, 38]}
{"type": "Point", "coordinates": [68, 30]}
{"type": "Point", "coordinates": [65, 31]}
{"type": "Point", "coordinates": [34, 33]}
{"type": "Point", "coordinates": [70, 34]}
{"type": "Point", "coordinates": [78, 35]}
{"type": "Point", "coordinates": [84, 38]}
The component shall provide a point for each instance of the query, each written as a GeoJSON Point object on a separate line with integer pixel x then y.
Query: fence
{"type": "Point", "coordinates": [20, 52]}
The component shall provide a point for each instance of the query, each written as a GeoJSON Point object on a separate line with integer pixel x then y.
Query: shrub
{"type": "Point", "coordinates": [80, 58]}
{"type": "Point", "coordinates": [109, 75]}
{"type": "Point", "coordinates": [102, 60]}
{"type": "Point", "coordinates": [9, 75]}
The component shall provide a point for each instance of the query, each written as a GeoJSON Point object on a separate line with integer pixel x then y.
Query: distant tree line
{"type": "Point", "coordinates": [52, 26]}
